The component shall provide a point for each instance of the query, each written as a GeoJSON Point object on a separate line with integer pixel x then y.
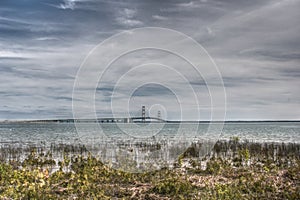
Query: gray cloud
{"type": "Point", "coordinates": [254, 43]}
{"type": "Point", "coordinates": [152, 90]}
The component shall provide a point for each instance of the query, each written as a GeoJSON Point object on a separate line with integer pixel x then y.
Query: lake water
{"type": "Point", "coordinates": [139, 147]}
{"type": "Point", "coordinates": [35, 133]}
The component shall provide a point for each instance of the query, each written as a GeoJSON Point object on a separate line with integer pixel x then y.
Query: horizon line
{"type": "Point", "coordinates": [72, 120]}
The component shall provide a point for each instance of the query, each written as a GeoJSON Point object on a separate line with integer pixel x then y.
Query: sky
{"type": "Point", "coordinates": [255, 45]}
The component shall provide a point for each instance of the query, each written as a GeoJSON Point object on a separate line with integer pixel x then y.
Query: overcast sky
{"type": "Point", "coordinates": [255, 44]}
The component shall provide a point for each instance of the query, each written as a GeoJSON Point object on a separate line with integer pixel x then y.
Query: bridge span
{"type": "Point", "coordinates": [124, 120]}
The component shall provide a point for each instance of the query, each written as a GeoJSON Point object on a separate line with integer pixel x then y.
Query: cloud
{"type": "Point", "coordinates": [129, 13]}
{"type": "Point", "coordinates": [128, 22]}
{"type": "Point", "coordinates": [68, 4]}
{"type": "Point", "coordinates": [185, 6]}
{"type": "Point", "coordinates": [127, 17]}
{"type": "Point", "coordinates": [151, 89]}
{"type": "Point", "coordinates": [190, 4]}
{"type": "Point", "coordinates": [46, 38]}
{"type": "Point", "coordinates": [265, 26]}
{"type": "Point", "coordinates": [210, 31]}
{"type": "Point", "coordinates": [254, 43]}
{"type": "Point", "coordinates": [73, 4]}
{"type": "Point", "coordinates": [270, 54]}
{"type": "Point", "coordinates": [158, 17]}
{"type": "Point", "coordinates": [14, 55]}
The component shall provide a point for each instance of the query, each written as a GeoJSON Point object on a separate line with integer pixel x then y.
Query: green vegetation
{"type": "Point", "coordinates": [251, 171]}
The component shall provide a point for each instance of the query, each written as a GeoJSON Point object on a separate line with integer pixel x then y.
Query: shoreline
{"type": "Point", "coordinates": [71, 120]}
{"type": "Point", "coordinates": [232, 170]}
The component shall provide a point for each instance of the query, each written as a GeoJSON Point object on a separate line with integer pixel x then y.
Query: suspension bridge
{"type": "Point", "coordinates": [138, 119]}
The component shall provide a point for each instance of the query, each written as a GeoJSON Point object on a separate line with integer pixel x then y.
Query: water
{"type": "Point", "coordinates": [35, 133]}
{"type": "Point", "coordinates": [139, 147]}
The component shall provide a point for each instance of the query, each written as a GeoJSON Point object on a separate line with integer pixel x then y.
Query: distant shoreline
{"type": "Point", "coordinates": [166, 121]}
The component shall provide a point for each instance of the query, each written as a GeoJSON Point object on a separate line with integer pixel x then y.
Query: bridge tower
{"type": "Point", "coordinates": [158, 114]}
{"type": "Point", "coordinates": [143, 114]}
